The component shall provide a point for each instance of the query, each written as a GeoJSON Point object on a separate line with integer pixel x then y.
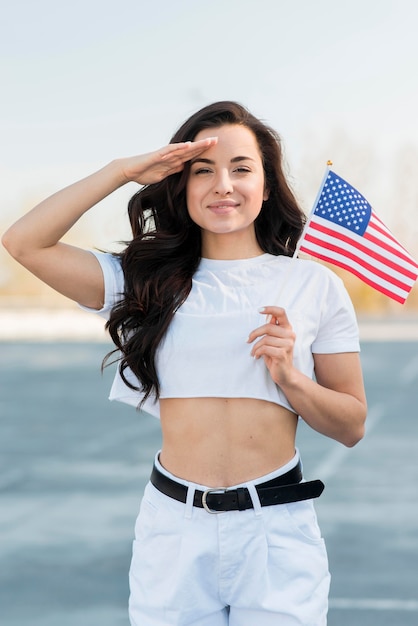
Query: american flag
{"type": "Point", "coordinates": [345, 231]}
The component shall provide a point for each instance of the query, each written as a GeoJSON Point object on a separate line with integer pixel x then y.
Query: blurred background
{"type": "Point", "coordinates": [88, 81]}
{"type": "Point", "coordinates": [91, 80]}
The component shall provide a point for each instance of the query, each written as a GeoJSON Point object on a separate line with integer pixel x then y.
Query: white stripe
{"type": "Point", "coordinates": [353, 263]}
{"type": "Point", "coordinates": [390, 240]}
{"type": "Point", "coordinates": [356, 239]}
{"type": "Point", "coordinates": [374, 604]}
{"type": "Point", "coordinates": [376, 223]}
{"type": "Point", "coordinates": [314, 249]}
{"type": "Point", "coordinates": [360, 254]}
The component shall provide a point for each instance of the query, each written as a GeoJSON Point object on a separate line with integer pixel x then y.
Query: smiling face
{"type": "Point", "coordinates": [225, 191]}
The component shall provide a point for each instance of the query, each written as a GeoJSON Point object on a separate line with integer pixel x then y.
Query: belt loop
{"type": "Point", "coordinates": [188, 508]}
{"type": "Point", "coordinates": [255, 499]}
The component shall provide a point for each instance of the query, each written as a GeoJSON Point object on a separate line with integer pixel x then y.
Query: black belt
{"type": "Point", "coordinates": [279, 490]}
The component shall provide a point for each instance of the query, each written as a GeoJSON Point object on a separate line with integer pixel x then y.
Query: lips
{"type": "Point", "coordinates": [222, 206]}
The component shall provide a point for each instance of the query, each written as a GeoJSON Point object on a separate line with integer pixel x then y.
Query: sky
{"type": "Point", "coordinates": [87, 81]}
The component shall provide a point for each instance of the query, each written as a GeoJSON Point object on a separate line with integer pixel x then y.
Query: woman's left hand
{"type": "Point", "coordinates": [276, 340]}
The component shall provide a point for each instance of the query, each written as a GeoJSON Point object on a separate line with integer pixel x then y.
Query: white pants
{"type": "Point", "coordinates": [258, 567]}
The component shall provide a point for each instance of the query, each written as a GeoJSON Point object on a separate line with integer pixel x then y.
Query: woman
{"type": "Point", "coordinates": [227, 533]}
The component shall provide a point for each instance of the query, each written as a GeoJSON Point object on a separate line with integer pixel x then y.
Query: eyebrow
{"type": "Point", "coordinates": [236, 159]}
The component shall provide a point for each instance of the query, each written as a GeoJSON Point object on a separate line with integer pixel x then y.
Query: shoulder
{"type": "Point", "coordinates": [322, 276]}
{"type": "Point", "coordinates": [316, 269]}
{"type": "Point", "coordinates": [113, 279]}
{"type": "Point", "coordinates": [304, 269]}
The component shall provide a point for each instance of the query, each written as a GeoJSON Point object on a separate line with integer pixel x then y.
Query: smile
{"type": "Point", "coordinates": [222, 207]}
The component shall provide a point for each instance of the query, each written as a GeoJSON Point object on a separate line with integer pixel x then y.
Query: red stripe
{"type": "Point", "coordinates": [400, 269]}
{"type": "Point", "coordinates": [369, 236]}
{"type": "Point", "coordinates": [380, 227]}
{"type": "Point", "coordinates": [378, 273]}
{"type": "Point", "coordinates": [356, 242]}
{"type": "Point", "coordinates": [403, 254]}
{"type": "Point", "coordinates": [365, 279]}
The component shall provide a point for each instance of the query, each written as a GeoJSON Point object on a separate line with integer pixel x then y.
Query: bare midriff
{"type": "Point", "coordinates": [219, 442]}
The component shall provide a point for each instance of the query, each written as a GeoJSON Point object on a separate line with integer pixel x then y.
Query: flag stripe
{"type": "Point", "coordinates": [393, 245]}
{"type": "Point", "coordinates": [315, 247]}
{"type": "Point", "coordinates": [382, 237]}
{"type": "Point", "coordinates": [344, 230]}
{"type": "Point", "coordinates": [365, 279]}
{"type": "Point", "coordinates": [337, 252]}
{"type": "Point", "coordinates": [389, 261]}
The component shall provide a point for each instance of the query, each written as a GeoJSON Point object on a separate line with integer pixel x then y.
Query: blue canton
{"type": "Point", "coordinates": [341, 204]}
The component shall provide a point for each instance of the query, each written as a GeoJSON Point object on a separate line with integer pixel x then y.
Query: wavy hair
{"type": "Point", "coordinates": [165, 250]}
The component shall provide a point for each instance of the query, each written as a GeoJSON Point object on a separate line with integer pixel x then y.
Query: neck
{"type": "Point", "coordinates": [227, 248]}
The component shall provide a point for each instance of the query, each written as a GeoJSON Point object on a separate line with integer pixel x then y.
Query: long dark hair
{"type": "Point", "coordinates": [164, 253]}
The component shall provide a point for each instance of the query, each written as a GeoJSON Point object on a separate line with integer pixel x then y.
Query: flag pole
{"type": "Point", "coordinates": [308, 221]}
{"type": "Point", "coordinates": [299, 243]}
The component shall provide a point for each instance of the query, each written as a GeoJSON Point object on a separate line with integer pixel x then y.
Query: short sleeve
{"type": "Point", "coordinates": [113, 283]}
{"type": "Point", "coordinates": [338, 328]}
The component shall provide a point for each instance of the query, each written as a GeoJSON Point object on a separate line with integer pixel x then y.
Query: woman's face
{"type": "Point", "coordinates": [226, 184]}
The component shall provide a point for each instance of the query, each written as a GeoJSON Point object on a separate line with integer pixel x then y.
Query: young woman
{"type": "Point", "coordinates": [227, 533]}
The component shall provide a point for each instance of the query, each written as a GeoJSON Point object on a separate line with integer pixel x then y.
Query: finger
{"type": "Point", "coordinates": [281, 340]}
{"type": "Point", "coordinates": [275, 328]}
{"type": "Point", "coordinates": [270, 330]}
{"type": "Point", "coordinates": [187, 149]}
{"type": "Point", "coordinates": [275, 350]}
{"type": "Point", "coordinates": [175, 169]}
{"type": "Point", "coordinates": [270, 352]}
{"type": "Point", "coordinates": [275, 315]}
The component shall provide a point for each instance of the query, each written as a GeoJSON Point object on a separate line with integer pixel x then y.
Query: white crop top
{"type": "Point", "coordinates": [205, 351]}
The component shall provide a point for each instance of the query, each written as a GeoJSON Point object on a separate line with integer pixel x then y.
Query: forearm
{"type": "Point", "coordinates": [336, 414]}
{"type": "Point", "coordinates": [35, 239]}
{"type": "Point", "coordinates": [333, 404]}
{"type": "Point", "coordinates": [47, 223]}
{"type": "Point", "coordinates": [50, 220]}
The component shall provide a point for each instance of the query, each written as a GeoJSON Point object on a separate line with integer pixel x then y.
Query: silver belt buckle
{"type": "Point", "coordinates": [205, 495]}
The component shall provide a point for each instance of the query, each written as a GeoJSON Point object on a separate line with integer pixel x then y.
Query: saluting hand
{"type": "Point", "coordinates": [153, 167]}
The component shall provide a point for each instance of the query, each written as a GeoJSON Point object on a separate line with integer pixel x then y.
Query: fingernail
{"type": "Point", "coordinates": [262, 309]}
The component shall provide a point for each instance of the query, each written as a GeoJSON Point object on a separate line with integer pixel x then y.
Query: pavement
{"type": "Point", "coordinates": [73, 466]}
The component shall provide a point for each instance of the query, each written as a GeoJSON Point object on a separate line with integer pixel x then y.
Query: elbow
{"type": "Point", "coordinates": [5, 240]}
{"type": "Point", "coordinates": [8, 243]}
{"type": "Point", "coordinates": [354, 437]}
{"type": "Point", "coordinates": [356, 431]}
{"type": "Point", "coordinates": [14, 246]}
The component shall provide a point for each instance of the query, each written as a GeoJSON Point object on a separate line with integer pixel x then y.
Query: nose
{"type": "Point", "coordinates": [223, 183]}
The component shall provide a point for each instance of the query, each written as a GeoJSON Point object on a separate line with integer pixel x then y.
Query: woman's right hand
{"type": "Point", "coordinates": [153, 167]}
